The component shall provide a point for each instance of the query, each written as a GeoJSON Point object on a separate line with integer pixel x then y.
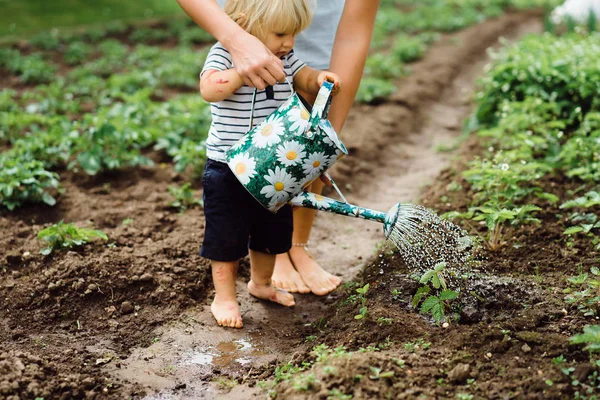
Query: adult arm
{"type": "Point", "coordinates": [350, 50]}
{"type": "Point", "coordinates": [255, 63]}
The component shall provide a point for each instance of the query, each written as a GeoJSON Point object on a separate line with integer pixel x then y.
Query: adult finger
{"type": "Point", "coordinates": [256, 81]}
{"type": "Point", "coordinates": [275, 69]}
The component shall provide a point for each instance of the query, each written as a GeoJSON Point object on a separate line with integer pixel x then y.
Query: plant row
{"type": "Point", "coordinates": [405, 29]}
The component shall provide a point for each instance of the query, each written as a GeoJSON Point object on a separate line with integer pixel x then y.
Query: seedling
{"type": "Point", "coordinates": [362, 295]}
{"type": "Point", "coordinates": [384, 321]}
{"type": "Point", "coordinates": [584, 292]}
{"type": "Point", "coordinates": [434, 304]}
{"type": "Point", "coordinates": [66, 236]}
{"type": "Point", "coordinates": [590, 336]}
{"type": "Point", "coordinates": [184, 197]}
{"type": "Point", "coordinates": [376, 373]}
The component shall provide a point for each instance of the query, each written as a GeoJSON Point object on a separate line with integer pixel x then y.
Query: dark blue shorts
{"type": "Point", "coordinates": [235, 221]}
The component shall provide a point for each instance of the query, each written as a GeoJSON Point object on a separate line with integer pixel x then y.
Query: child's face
{"type": "Point", "coordinates": [280, 43]}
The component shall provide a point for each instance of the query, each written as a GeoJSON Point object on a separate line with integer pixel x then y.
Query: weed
{"type": "Point", "coordinates": [590, 336]}
{"type": "Point", "coordinates": [304, 383]}
{"type": "Point", "coordinates": [559, 360]}
{"type": "Point", "coordinates": [227, 383]}
{"type": "Point", "coordinates": [336, 394]}
{"type": "Point", "coordinates": [584, 292]}
{"type": "Point", "coordinates": [384, 321]}
{"type": "Point", "coordinates": [376, 373]}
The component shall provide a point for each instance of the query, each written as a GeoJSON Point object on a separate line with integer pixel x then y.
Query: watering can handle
{"type": "Point", "coordinates": [321, 106]}
{"type": "Point", "coordinates": [251, 123]}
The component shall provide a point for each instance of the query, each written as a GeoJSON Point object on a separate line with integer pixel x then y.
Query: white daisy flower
{"type": "Point", "coordinates": [243, 166]}
{"type": "Point", "coordinates": [314, 164]}
{"type": "Point", "coordinates": [281, 185]}
{"type": "Point", "coordinates": [290, 153]}
{"type": "Point", "coordinates": [268, 132]}
{"type": "Point", "coordinates": [321, 201]}
{"type": "Point", "coordinates": [299, 117]}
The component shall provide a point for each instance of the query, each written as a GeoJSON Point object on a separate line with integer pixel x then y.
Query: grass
{"type": "Point", "coordinates": [27, 17]}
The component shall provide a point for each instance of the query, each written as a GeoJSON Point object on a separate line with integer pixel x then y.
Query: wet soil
{"type": "Point", "coordinates": [131, 317]}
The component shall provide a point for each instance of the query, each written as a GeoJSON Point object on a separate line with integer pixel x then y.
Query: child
{"type": "Point", "coordinates": [235, 221]}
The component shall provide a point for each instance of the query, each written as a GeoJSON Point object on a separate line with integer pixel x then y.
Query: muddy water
{"type": "Point", "coordinates": [189, 356]}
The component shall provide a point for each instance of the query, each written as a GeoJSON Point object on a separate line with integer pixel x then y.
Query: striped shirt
{"type": "Point", "coordinates": [230, 117]}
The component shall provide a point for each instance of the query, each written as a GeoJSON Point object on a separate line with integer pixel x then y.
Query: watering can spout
{"type": "Point", "coordinates": [322, 203]}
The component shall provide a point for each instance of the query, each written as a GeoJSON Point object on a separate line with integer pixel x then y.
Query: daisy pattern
{"type": "Point", "coordinates": [320, 201]}
{"type": "Point", "coordinates": [243, 166]}
{"type": "Point", "coordinates": [281, 185]}
{"type": "Point", "coordinates": [313, 165]}
{"type": "Point", "coordinates": [290, 153]}
{"type": "Point", "coordinates": [299, 117]}
{"type": "Point", "coordinates": [268, 132]}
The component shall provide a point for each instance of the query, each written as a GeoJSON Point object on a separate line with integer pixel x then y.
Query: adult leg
{"type": "Point", "coordinates": [261, 271]}
{"type": "Point", "coordinates": [225, 307]}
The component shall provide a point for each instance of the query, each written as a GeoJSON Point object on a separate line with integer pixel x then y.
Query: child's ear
{"type": "Point", "coordinates": [241, 20]}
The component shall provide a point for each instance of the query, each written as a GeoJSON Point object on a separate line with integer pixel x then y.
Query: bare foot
{"type": "Point", "coordinates": [268, 292]}
{"type": "Point", "coordinates": [227, 313]}
{"type": "Point", "coordinates": [286, 277]}
{"type": "Point", "coordinates": [316, 278]}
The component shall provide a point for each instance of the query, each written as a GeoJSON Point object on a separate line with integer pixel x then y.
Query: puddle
{"type": "Point", "coordinates": [225, 354]}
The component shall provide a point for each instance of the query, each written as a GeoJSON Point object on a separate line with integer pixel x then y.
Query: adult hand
{"type": "Point", "coordinates": [255, 63]}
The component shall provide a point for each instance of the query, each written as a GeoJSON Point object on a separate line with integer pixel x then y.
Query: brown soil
{"type": "Point", "coordinates": [131, 318]}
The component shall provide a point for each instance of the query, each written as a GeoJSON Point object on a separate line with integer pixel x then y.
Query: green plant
{"type": "Point", "coordinates": [107, 147]}
{"type": "Point", "coordinates": [434, 304]}
{"type": "Point", "coordinates": [584, 292]}
{"type": "Point", "coordinates": [384, 321]}
{"type": "Point", "coordinates": [66, 236]}
{"type": "Point", "coordinates": [336, 394]}
{"type": "Point", "coordinates": [23, 181]}
{"type": "Point", "coordinates": [546, 67]}
{"type": "Point", "coordinates": [362, 295]}
{"type": "Point", "coordinates": [77, 52]}
{"type": "Point", "coordinates": [590, 336]}
{"type": "Point", "coordinates": [184, 197]}
{"type": "Point", "coordinates": [374, 90]}
{"type": "Point", "coordinates": [376, 373]}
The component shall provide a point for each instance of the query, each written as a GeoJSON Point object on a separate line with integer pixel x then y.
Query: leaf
{"type": "Point", "coordinates": [429, 303]}
{"type": "Point", "coordinates": [448, 295]}
{"type": "Point", "coordinates": [437, 311]}
{"type": "Point", "coordinates": [436, 281]}
{"type": "Point", "coordinates": [572, 230]}
{"type": "Point", "coordinates": [423, 290]}
{"type": "Point", "coordinates": [358, 316]}
{"type": "Point", "coordinates": [45, 251]}
{"type": "Point", "coordinates": [427, 276]}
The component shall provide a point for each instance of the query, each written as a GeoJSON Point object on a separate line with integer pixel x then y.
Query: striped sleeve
{"type": "Point", "coordinates": [294, 62]}
{"type": "Point", "coordinates": [218, 58]}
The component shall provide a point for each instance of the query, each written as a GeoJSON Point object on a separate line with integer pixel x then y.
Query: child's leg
{"type": "Point", "coordinates": [261, 269]}
{"type": "Point", "coordinates": [225, 307]}
{"type": "Point", "coordinates": [297, 269]}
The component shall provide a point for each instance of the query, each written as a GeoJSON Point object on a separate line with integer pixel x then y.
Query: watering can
{"type": "Point", "coordinates": [277, 159]}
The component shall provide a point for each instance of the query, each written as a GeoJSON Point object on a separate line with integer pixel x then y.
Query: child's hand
{"type": "Point", "coordinates": [331, 77]}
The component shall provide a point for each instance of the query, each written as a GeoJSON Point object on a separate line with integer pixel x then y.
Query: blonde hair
{"type": "Point", "coordinates": [261, 16]}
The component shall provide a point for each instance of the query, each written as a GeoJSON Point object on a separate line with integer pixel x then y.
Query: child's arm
{"type": "Point", "coordinates": [218, 85]}
{"type": "Point", "coordinates": [309, 80]}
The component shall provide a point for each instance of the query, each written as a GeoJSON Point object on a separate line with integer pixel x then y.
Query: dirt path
{"type": "Point", "coordinates": [189, 356]}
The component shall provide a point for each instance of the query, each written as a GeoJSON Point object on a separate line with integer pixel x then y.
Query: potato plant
{"type": "Point", "coordinates": [67, 236]}
{"type": "Point", "coordinates": [26, 182]}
